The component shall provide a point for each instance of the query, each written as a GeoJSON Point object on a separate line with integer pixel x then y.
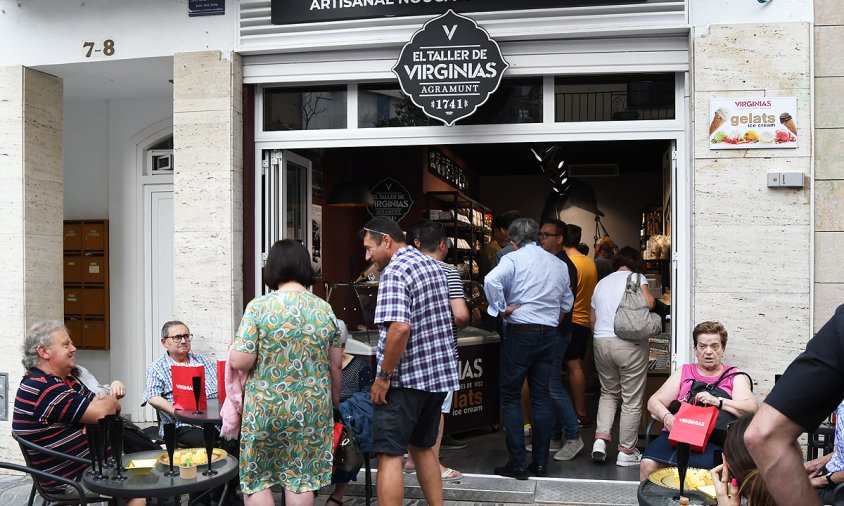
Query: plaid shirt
{"type": "Point", "coordinates": [160, 384]}
{"type": "Point", "coordinates": [413, 289]}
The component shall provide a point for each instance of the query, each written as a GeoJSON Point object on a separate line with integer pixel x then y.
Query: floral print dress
{"type": "Point", "coordinates": [286, 435]}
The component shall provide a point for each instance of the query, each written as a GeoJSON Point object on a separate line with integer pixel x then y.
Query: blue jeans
{"type": "Point", "coordinates": [565, 419]}
{"type": "Point", "coordinates": [527, 354]}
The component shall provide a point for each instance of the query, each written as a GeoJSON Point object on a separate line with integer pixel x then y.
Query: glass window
{"type": "Point", "coordinates": [386, 105]}
{"type": "Point", "coordinates": [620, 97]}
{"type": "Point", "coordinates": [515, 101]}
{"type": "Point", "coordinates": [304, 108]}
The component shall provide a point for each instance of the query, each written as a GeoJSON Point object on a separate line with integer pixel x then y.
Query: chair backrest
{"type": "Point", "coordinates": [35, 473]}
{"type": "Point", "coordinates": [26, 447]}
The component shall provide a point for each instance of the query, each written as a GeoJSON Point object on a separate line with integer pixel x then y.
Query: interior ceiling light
{"type": "Point", "coordinates": [350, 193]}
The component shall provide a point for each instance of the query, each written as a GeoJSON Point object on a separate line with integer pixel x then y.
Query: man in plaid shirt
{"type": "Point", "coordinates": [416, 362]}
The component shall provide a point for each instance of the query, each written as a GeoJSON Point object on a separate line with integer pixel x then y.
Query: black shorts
{"type": "Point", "coordinates": [410, 417]}
{"type": "Point", "coordinates": [580, 335]}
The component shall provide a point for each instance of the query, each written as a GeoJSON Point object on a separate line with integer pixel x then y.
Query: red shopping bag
{"type": "Point", "coordinates": [693, 425]}
{"type": "Point", "coordinates": [221, 381]}
{"type": "Point", "coordinates": [183, 386]}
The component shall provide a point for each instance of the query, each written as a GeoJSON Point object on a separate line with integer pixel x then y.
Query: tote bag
{"type": "Point", "coordinates": [633, 320]}
{"type": "Point", "coordinates": [693, 425]}
{"type": "Point", "coordinates": [183, 386]}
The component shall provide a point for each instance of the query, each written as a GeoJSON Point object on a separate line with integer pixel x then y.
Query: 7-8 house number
{"type": "Point", "coordinates": [90, 47]}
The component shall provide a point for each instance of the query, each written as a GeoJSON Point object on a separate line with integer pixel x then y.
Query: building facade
{"type": "Point", "coordinates": [90, 93]}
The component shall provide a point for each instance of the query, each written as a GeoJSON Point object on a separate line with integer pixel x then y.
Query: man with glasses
{"type": "Point", "coordinates": [416, 363]}
{"type": "Point", "coordinates": [529, 290]}
{"type": "Point", "coordinates": [176, 339]}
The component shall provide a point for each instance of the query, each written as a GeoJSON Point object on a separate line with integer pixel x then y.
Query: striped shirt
{"type": "Point", "coordinates": [413, 290]}
{"type": "Point", "coordinates": [455, 291]}
{"type": "Point", "coordinates": [159, 383]}
{"type": "Point", "coordinates": [48, 412]}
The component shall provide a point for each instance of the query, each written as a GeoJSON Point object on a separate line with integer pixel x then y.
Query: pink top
{"type": "Point", "coordinates": [690, 372]}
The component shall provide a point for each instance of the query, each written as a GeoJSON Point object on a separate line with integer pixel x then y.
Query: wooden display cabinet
{"type": "Point", "coordinates": [86, 290]}
{"type": "Point", "coordinates": [466, 223]}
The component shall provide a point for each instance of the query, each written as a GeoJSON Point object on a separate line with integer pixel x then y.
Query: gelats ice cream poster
{"type": "Point", "coordinates": [753, 123]}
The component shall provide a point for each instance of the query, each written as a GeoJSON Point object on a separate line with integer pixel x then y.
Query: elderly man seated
{"type": "Point", "coordinates": [52, 406]}
{"type": "Point", "coordinates": [176, 339]}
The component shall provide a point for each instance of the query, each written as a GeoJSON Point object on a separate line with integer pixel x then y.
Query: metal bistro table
{"type": "Point", "coordinates": [651, 494]}
{"type": "Point", "coordinates": [211, 414]}
{"type": "Point", "coordinates": [155, 484]}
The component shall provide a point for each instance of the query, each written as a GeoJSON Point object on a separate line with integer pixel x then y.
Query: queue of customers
{"type": "Point", "coordinates": [289, 346]}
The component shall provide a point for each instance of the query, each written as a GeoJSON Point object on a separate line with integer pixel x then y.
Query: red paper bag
{"type": "Point", "coordinates": [183, 386]}
{"type": "Point", "coordinates": [693, 425]}
{"type": "Point", "coordinates": [221, 381]}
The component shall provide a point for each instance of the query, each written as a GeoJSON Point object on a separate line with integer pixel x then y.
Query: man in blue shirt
{"type": "Point", "coordinates": [529, 290]}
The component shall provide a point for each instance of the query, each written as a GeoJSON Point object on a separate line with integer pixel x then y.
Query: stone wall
{"type": "Point", "coordinates": [31, 178]}
{"type": "Point", "coordinates": [208, 201]}
{"type": "Point", "coordinates": [829, 171]}
{"type": "Point", "coordinates": [751, 244]}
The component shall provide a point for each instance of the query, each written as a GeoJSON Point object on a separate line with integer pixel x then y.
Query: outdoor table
{"type": "Point", "coordinates": [155, 484]}
{"type": "Point", "coordinates": [651, 494]}
{"type": "Point", "coordinates": [211, 414]}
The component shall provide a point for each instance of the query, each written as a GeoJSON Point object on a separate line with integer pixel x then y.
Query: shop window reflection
{"type": "Point", "coordinates": [304, 108]}
{"type": "Point", "coordinates": [614, 97]}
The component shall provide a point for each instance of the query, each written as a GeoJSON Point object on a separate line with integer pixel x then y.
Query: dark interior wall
{"type": "Point", "coordinates": [343, 254]}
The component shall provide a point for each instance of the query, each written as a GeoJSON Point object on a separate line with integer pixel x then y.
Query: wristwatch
{"type": "Point", "coordinates": [384, 375]}
{"type": "Point", "coordinates": [829, 480]}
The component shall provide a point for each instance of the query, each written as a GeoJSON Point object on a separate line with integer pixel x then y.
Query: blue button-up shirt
{"type": "Point", "coordinates": [534, 278]}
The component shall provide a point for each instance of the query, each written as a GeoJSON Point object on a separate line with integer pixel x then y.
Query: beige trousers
{"type": "Point", "coordinates": [622, 368]}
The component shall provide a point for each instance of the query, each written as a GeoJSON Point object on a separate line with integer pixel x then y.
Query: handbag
{"type": "Point", "coordinates": [724, 417]}
{"type": "Point", "coordinates": [633, 319]}
{"type": "Point", "coordinates": [347, 455]}
{"type": "Point", "coordinates": [693, 425]}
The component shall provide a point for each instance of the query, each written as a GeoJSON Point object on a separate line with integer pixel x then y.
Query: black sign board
{"type": "Point", "coordinates": [287, 12]}
{"type": "Point", "coordinates": [447, 169]}
{"type": "Point", "coordinates": [450, 67]}
{"type": "Point", "coordinates": [391, 199]}
{"type": "Point", "coordinates": [206, 7]}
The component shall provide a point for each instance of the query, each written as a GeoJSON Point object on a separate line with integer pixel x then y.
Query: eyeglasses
{"type": "Point", "coordinates": [545, 235]}
{"type": "Point", "coordinates": [371, 231]}
{"type": "Point", "coordinates": [181, 338]}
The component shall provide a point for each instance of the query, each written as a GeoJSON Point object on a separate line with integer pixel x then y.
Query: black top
{"type": "Point", "coordinates": [813, 385]}
{"type": "Point", "coordinates": [565, 325]}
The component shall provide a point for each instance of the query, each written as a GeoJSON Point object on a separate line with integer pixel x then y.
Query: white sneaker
{"type": "Point", "coordinates": [625, 460]}
{"type": "Point", "coordinates": [599, 450]}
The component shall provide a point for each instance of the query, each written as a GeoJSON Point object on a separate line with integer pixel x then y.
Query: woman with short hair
{"type": "Point", "coordinates": [289, 341]}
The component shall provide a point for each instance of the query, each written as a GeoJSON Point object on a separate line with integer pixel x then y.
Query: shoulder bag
{"type": "Point", "coordinates": [725, 418]}
{"type": "Point", "coordinates": [633, 319]}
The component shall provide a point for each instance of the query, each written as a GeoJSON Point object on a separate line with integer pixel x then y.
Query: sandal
{"type": "Point", "coordinates": [450, 474]}
{"type": "Point", "coordinates": [333, 499]}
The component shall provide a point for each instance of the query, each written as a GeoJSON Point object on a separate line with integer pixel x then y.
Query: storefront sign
{"type": "Point", "coordinates": [753, 123]}
{"type": "Point", "coordinates": [285, 12]}
{"type": "Point", "coordinates": [446, 169]}
{"type": "Point", "coordinates": [206, 7]}
{"type": "Point", "coordinates": [450, 67]}
{"type": "Point", "coordinates": [476, 403]}
{"type": "Point", "coordinates": [391, 199]}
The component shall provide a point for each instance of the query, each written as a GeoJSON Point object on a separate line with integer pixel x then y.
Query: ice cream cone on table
{"type": "Point", "coordinates": [718, 119]}
{"type": "Point", "coordinates": [788, 122]}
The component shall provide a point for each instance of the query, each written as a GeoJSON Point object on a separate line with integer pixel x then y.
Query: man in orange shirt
{"type": "Point", "coordinates": [581, 333]}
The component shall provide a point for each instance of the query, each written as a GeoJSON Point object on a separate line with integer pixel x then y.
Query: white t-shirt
{"type": "Point", "coordinates": [605, 301]}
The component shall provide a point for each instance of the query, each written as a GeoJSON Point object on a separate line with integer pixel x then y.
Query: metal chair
{"type": "Point", "coordinates": [52, 497]}
{"type": "Point", "coordinates": [35, 474]}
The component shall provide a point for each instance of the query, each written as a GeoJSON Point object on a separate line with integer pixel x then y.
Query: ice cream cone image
{"type": "Point", "coordinates": [718, 119]}
{"type": "Point", "coordinates": [788, 122]}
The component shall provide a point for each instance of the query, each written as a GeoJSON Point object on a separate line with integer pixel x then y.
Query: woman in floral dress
{"type": "Point", "coordinates": [289, 342]}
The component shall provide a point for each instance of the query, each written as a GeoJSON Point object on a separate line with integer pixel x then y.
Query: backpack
{"type": "Point", "coordinates": [633, 319]}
